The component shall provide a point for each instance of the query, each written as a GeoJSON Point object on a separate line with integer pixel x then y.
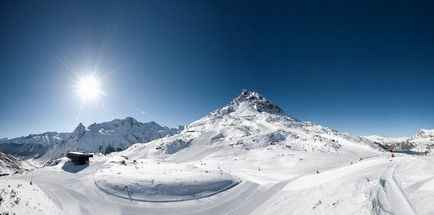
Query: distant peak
{"type": "Point", "coordinates": [247, 95]}
{"type": "Point", "coordinates": [131, 120]}
{"type": "Point", "coordinates": [253, 101]}
{"type": "Point", "coordinates": [128, 121]}
{"type": "Point", "coordinates": [153, 123]}
{"type": "Point", "coordinates": [425, 133]}
{"type": "Point", "coordinates": [258, 102]}
{"type": "Point", "coordinates": [80, 126]}
{"type": "Point", "coordinates": [79, 130]}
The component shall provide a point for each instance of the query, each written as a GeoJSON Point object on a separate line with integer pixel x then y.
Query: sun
{"type": "Point", "coordinates": [88, 88]}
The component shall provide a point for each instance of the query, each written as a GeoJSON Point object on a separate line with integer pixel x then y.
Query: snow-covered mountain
{"type": "Point", "coordinates": [423, 141]}
{"type": "Point", "coordinates": [108, 137]}
{"type": "Point", "coordinates": [9, 164]}
{"type": "Point", "coordinates": [33, 145]}
{"type": "Point", "coordinates": [386, 140]}
{"type": "Point", "coordinates": [251, 121]}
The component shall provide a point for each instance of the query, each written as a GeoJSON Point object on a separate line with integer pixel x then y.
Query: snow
{"type": "Point", "coordinates": [19, 197]}
{"type": "Point", "coordinates": [145, 180]}
{"type": "Point", "coordinates": [271, 181]}
{"type": "Point", "coordinates": [314, 180]}
{"type": "Point", "coordinates": [9, 165]}
{"type": "Point", "coordinates": [371, 186]}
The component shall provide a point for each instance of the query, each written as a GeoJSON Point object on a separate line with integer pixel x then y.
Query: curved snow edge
{"type": "Point", "coordinates": [201, 195]}
{"type": "Point", "coordinates": [233, 184]}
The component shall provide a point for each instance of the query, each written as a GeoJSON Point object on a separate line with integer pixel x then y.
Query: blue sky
{"type": "Point", "coordinates": [360, 66]}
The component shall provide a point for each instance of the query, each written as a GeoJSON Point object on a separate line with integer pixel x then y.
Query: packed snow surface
{"type": "Point", "coordinates": [161, 182]}
{"type": "Point", "coordinates": [270, 182]}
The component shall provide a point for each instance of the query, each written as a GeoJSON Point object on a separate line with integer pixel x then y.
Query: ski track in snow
{"type": "Point", "coordinates": [392, 197]}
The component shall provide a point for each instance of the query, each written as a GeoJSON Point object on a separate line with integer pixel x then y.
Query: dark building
{"type": "Point", "coordinates": [79, 158]}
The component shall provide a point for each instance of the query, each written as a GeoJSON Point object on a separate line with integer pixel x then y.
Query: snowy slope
{"type": "Point", "coordinates": [110, 136]}
{"type": "Point", "coordinates": [19, 197]}
{"type": "Point", "coordinates": [9, 164]}
{"type": "Point", "coordinates": [272, 182]}
{"type": "Point", "coordinates": [251, 121]}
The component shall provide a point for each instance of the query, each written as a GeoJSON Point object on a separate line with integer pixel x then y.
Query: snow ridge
{"type": "Point", "coordinates": [9, 164]}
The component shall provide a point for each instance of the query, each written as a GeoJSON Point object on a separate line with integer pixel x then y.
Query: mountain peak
{"type": "Point", "coordinates": [247, 95]}
{"type": "Point", "coordinates": [256, 101]}
{"type": "Point", "coordinates": [249, 102]}
{"type": "Point", "coordinates": [129, 118]}
{"type": "Point", "coordinates": [131, 121]}
{"type": "Point", "coordinates": [79, 130]}
{"type": "Point", "coordinates": [425, 133]}
{"type": "Point", "coordinates": [80, 127]}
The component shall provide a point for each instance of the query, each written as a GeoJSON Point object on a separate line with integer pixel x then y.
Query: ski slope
{"type": "Point", "coordinates": [373, 185]}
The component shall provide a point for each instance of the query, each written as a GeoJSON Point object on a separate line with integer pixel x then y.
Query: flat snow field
{"type": "Point", "coordinates": [261, 181]}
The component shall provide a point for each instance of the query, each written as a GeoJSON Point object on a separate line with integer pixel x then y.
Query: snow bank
{"type": "Point", "coordinates": [157, 182]}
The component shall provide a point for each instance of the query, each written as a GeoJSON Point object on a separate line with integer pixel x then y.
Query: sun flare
{"type": "Point", "coordinates": [88, 88]}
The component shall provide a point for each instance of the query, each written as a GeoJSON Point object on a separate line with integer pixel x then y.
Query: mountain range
{"type": "Point", "coordinates": [422, 142]}
{"type": "Point", "coordinates": [103, 138]}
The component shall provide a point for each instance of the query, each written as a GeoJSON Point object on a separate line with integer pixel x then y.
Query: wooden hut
{"type": "Point", "coordinates": [79, 158]}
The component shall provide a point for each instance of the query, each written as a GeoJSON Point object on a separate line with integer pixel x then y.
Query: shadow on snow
{"type": "Point", "coordinates": [72, 168]}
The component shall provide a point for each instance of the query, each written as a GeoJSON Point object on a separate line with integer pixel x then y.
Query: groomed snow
{"type": "Point", "coordinates": [145, 180]}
